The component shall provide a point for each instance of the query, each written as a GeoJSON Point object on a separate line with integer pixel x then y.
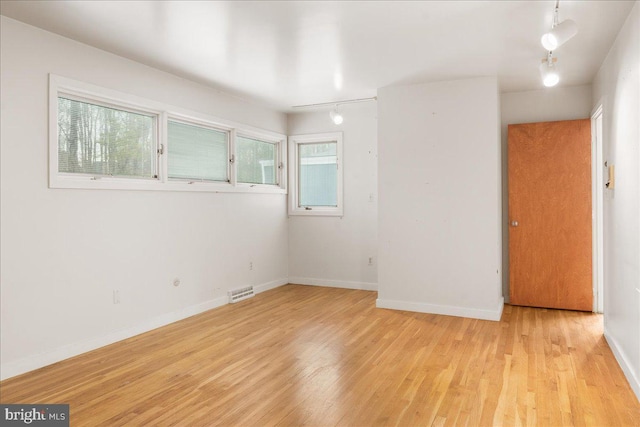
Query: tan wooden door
{"type": "Point", "coordinates": [550, 214]}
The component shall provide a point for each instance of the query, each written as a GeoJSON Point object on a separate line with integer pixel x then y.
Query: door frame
{"type": "Point", "coordinates": [597, 206]}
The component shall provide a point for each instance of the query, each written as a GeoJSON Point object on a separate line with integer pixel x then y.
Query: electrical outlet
{"type": "Point", "coordinates": [250, 265]}
{"type": "Point", "coordinates": [116, 296]}
{"type": "Point", "coordinates": [370, 260]}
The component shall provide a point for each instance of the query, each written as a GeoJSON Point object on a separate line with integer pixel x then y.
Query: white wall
{"type": "Point", "coordinates": [63, 252]}
{"type": "Point", "coordinates": [439, 198]}
{"type": "Point", "coordinates": [545, 105]}
{"type": "Point", "coordinates": [333, 251]}
{"type": "Point", "coordinates": [617, 87]}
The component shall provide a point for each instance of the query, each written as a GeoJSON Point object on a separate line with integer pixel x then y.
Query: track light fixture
{"type": "Point", "coordinates": [549, 71]}
{"type": "Point", "coordinates": [336, 116]}
{"type": "Point", "coordinates": [560, 32]}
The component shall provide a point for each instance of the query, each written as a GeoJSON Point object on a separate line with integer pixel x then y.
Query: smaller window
{"type": "Point", "coordinates": [257, 161]}
{"type": "Point", "coordinates": [316, 178]}
{"type": "Point", "coordinates": [197, 153]}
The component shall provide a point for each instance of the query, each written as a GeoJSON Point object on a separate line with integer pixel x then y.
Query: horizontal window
{"type": "Point", "coordinates": [257, 161]}
{"type": "Point", "coordinates": [98, 140]}
{"type": "Point", "coordinates": [197, 153]}
{"type": "Point", "coordinates": [103, 139]}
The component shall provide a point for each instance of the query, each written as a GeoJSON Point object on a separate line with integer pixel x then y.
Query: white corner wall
{"type": "Point", "coordinates": [335, 251]}
{"type": "Point", "coordinates": [439, 198]}
{"type": "Point", "coordinates": [545, 105]}
{"type": "Point", "coordinates": [617, 87]}
{"type": "Point", "coordinates": [63, 252]}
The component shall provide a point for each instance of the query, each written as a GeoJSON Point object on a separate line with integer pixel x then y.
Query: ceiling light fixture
{"type": "Point", "coordinates": [560, 32]}
{"type": "Point", "coordinates": [549, 71]}
{"type": "Point", "coordinates": [336, 116]}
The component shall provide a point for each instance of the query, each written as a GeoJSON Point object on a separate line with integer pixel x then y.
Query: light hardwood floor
{"type": "Point", "coordinates": [300, 355]}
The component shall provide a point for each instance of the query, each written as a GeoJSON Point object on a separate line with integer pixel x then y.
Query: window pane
{"type": "Point", "coordinates": [99, 140]}
{"type": "Point", "coordinates": [257, 161]}
{"type": "Point", "coordinates": [318, 174]}
{"type": "Point", "coordinates": [197, 153]}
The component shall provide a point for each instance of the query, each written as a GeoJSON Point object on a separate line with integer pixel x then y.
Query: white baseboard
{"type": "Point", "coordinates": [30, 363]}
{"type": "Point", "coordinates": [270, 285]}
{"type": "Point", "coordinates": [620, 356]}
{"type": "Point", "coordinates": [447, 310]}
{"type": "Point", "coordinates": [345, 284]}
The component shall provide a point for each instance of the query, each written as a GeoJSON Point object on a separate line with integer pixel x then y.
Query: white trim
{"type": "Point", "coordinates": [270, 285]}
{"type": "Point", "coordinates": [262, 136]}
{"type": "Point", "coordinates": [232, 158]}
{"type": "Point", "coordinates": [108, 183]}
{"type": "Point", "coordinates": [345, 284]}
{"type": "Point", "coordinates": [447, 310]}
{"type": "Point", "coordinates": [164, 113]}
{"type": "Point", "coordinates": [30, 363]}
{"type": "Point", "coordinates": [163, 137]}
{"type": "Point", "coordinates": [597, 209]}
{"type": "Point", "coordinates": [627, 368]}
{"type": "Point", "coordinates": [294, 141]}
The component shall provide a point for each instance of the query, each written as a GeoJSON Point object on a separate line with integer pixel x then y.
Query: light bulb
{"type": "Point", "coordinates": [559, 35]}
{"type": "Point", "coordinates": [549, 41]}
{"type": "Point", "coordinates": [336, 117]}
{"type": "Point", "coordinates": [549, 73]}
{"type": "Point", "coordinates": [551, 79]}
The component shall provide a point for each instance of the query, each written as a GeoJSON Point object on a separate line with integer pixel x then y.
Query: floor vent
{"type": "Point", "coordinates": [240, 294]}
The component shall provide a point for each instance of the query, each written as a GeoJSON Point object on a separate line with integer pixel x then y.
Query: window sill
{"type": "Point", "coordinates": [109, 183]}
{"type": "Point", "coordinates": [317, 212]}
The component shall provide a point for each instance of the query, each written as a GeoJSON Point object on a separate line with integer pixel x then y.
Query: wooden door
{"type": "Point", "coordinates": [550, 214]}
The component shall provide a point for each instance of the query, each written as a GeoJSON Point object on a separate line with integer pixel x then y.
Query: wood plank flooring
{"type": "Point", "coordinates": [301, 355]}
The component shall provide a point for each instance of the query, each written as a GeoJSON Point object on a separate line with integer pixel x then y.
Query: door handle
{"type": "Point", "coordinates": [514, 223]}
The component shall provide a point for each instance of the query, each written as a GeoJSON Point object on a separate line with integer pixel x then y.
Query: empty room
{"type": "Point", "coordinates": [320, 213]}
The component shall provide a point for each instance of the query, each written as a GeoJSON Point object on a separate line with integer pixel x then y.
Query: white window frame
{"type": "Point", "coordinates": [281, 148]}
{"type": "Point", "coordinates": [61, 86]}
{"type": "Point", "coordinates": [196, 185]}
{"type": "Point", "coordinates": [83, 92]}
{"type": "Point", "coordinates": [294, 142]}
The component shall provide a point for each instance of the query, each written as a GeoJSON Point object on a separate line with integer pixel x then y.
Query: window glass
{"type": "Point", "coordinates": [318, 174]}
{"type": "Point", "coordinates": [98, 140]}
{"type": "Point", "coordinates": [197, 153]}
{"type": "Point", "coordinates": [257, 161]}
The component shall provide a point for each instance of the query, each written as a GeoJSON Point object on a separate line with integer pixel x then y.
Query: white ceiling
{"type": "Point", "coordinates": [302, 52]}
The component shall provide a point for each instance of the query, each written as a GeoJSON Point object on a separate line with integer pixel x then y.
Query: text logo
{"type": "Point", "coordinates": [34, 415]}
